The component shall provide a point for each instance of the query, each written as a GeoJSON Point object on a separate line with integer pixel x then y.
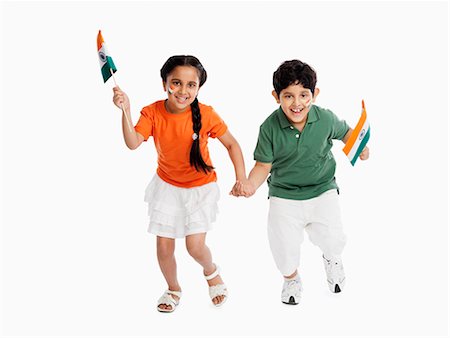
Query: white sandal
{"type": "Point", "coordinates": [217, 290]}
{"type": "Point", "coordinates": [167, 299]}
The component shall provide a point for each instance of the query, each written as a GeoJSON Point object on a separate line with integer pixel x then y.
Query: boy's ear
{"type": "Point", "coordinates": [275, 95]}
{"type": "Point", "coordinates": [316, 92]}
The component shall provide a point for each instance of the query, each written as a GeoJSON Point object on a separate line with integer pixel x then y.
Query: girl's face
{"type": "Point", "coordinates": [182, 87]}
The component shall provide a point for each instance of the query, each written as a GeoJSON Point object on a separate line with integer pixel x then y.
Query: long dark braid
{"type": "Point", "coordinates": [195, 159]}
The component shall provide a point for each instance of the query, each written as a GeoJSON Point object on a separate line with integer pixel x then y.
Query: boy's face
{"type": "Point", "coordinates": [296, 101]}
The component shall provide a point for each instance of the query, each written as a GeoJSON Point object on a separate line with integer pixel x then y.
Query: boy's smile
{"type": "Point", "coordinates": [295, 101]}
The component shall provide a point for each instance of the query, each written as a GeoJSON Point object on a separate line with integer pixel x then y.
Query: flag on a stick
{"type": "Point", "coordinates": [106, 62]}
{"type": "Point", "coordinates": [358, 138]}
{"type": "Point", "coordinates": [108, 69]}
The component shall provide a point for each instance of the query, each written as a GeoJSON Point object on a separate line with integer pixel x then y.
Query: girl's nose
{"type": "Point", "coordinates": [183, 89]}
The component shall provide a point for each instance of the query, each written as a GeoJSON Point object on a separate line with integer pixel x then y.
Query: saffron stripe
{"type": "Point", "coordinates": [355, 133]}
{"type": "Point", "coordinates": [100, 40]}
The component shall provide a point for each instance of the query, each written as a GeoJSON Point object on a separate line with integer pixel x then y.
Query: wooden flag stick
{"type": "Point", "coordinates": [123, 109]}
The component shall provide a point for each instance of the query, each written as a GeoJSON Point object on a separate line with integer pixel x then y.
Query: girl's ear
{"type": "Point", "coordinates": [275, 95]}
{"type": "Point", "coordinates": [164, 86]}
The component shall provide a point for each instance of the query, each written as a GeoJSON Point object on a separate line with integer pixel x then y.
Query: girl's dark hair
{"type": "Point", "coordinates": [196, 159]}
{"type": "Point", "coordinates": [294, 72]}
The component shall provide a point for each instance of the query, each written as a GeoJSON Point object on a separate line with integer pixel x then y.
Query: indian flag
{"type": "Point", "coordinates": [106, 62]}
{"type": "Point", "coordinates": [358, 138]}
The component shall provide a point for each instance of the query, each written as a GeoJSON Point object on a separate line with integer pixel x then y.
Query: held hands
{"type": "Point", "coordinates": [120, 98]}
{"type": "Point", "coordinates": [243, 188]}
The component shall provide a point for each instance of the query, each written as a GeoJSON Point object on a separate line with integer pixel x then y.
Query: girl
{"type": "Point", "coordinates": [182, 196]}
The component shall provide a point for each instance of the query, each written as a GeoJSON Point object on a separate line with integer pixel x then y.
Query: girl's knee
{"type": "Point", "coordinates": [165, 247]}
{"type": "Point", "coordinates": [195, 245]}
{"type": "Point", "coordinates": [195, 249]}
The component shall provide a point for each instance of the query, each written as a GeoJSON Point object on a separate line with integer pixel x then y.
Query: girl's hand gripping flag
{"type": "Point", "coordinates": [108, 69]}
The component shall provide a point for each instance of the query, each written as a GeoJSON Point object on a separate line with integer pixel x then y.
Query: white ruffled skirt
{"type": "Point", "coordinates": [176, 212]}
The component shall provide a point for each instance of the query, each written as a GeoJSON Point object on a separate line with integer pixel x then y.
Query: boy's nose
{"type": "Point", "coordinates": [298, 102]}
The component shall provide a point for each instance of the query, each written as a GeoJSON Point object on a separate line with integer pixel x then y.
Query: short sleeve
{"type": "Point", "coordinates": [216, 126]}
{"type": "Point", "coordinates": [264, 148]}
{"type": "Point", "coordinates": [145, 123]}
{"type": "Point", "coordinates": [339, 127]}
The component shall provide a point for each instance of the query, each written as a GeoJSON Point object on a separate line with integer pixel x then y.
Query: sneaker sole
{"type": "Point", "coordinates": [336, 288]}
{"type": "Point", "coordinates": [291, 301]}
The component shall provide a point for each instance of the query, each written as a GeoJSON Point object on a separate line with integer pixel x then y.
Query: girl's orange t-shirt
{"type": "Point", "coordinates": [172, 134]}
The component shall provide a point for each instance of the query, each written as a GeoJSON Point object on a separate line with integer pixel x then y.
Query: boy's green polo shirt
{"type": "Point", "coordinates": [303, 165]}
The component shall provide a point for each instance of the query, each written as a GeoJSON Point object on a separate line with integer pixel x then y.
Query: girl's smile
{"type": "Point", "coordinates": [181, 99]}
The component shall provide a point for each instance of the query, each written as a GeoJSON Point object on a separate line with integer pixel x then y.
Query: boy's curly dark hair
{"type": "Point", "coordinates": [294, 72]}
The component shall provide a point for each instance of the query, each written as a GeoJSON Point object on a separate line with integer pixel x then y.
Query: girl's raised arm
{"type": "Point", "coordinates": [131, 137]}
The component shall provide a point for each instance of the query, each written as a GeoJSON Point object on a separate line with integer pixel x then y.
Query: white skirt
{"type": "Point", "coordinates": [176, 212]}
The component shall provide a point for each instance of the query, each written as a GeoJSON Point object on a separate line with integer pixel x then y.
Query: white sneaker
{"type": "Point", "coordinates": [291, 291]}
{"type": "Point", "coordinates": [335, 274]}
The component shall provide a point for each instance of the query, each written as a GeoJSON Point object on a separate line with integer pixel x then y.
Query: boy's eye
{"type": "Point", "coordinates": [287, 96]}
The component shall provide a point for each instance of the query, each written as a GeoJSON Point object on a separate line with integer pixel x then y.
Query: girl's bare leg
{"type": "Point", "coordinates": [166, 259]}
{"type": "Point", "coordinates": [197, 248]}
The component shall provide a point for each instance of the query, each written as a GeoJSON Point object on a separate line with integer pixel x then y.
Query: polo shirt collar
{"type": "Point", "coordinates": [284, 122]}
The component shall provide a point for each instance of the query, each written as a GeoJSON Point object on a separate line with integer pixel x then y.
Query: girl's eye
{"type": "Point", "coordinates": [176, 83]}
{"type": "Point", "coordinates": [192, 85]}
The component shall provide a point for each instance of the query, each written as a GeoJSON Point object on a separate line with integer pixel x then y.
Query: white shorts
{"type": "Point", "coordinates": [319, 216]}
{"type": "Point", "coordinates": [176, 212]}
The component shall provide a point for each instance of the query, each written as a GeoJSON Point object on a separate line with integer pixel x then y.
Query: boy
{"type": "Point", "coordinates": [294, 146]}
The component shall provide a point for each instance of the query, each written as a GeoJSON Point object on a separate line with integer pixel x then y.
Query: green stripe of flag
{"type": "Point", "coordinates": [106, 68]}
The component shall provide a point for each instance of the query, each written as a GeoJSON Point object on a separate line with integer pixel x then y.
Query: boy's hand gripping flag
{"type": "Point", "coordinates": [108, 68]}
{"type": "Point", "coordinates": [358, 138]}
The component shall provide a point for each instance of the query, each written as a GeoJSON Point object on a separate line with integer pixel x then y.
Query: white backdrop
{"type": "Point", "coordinates": [77, 259]}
